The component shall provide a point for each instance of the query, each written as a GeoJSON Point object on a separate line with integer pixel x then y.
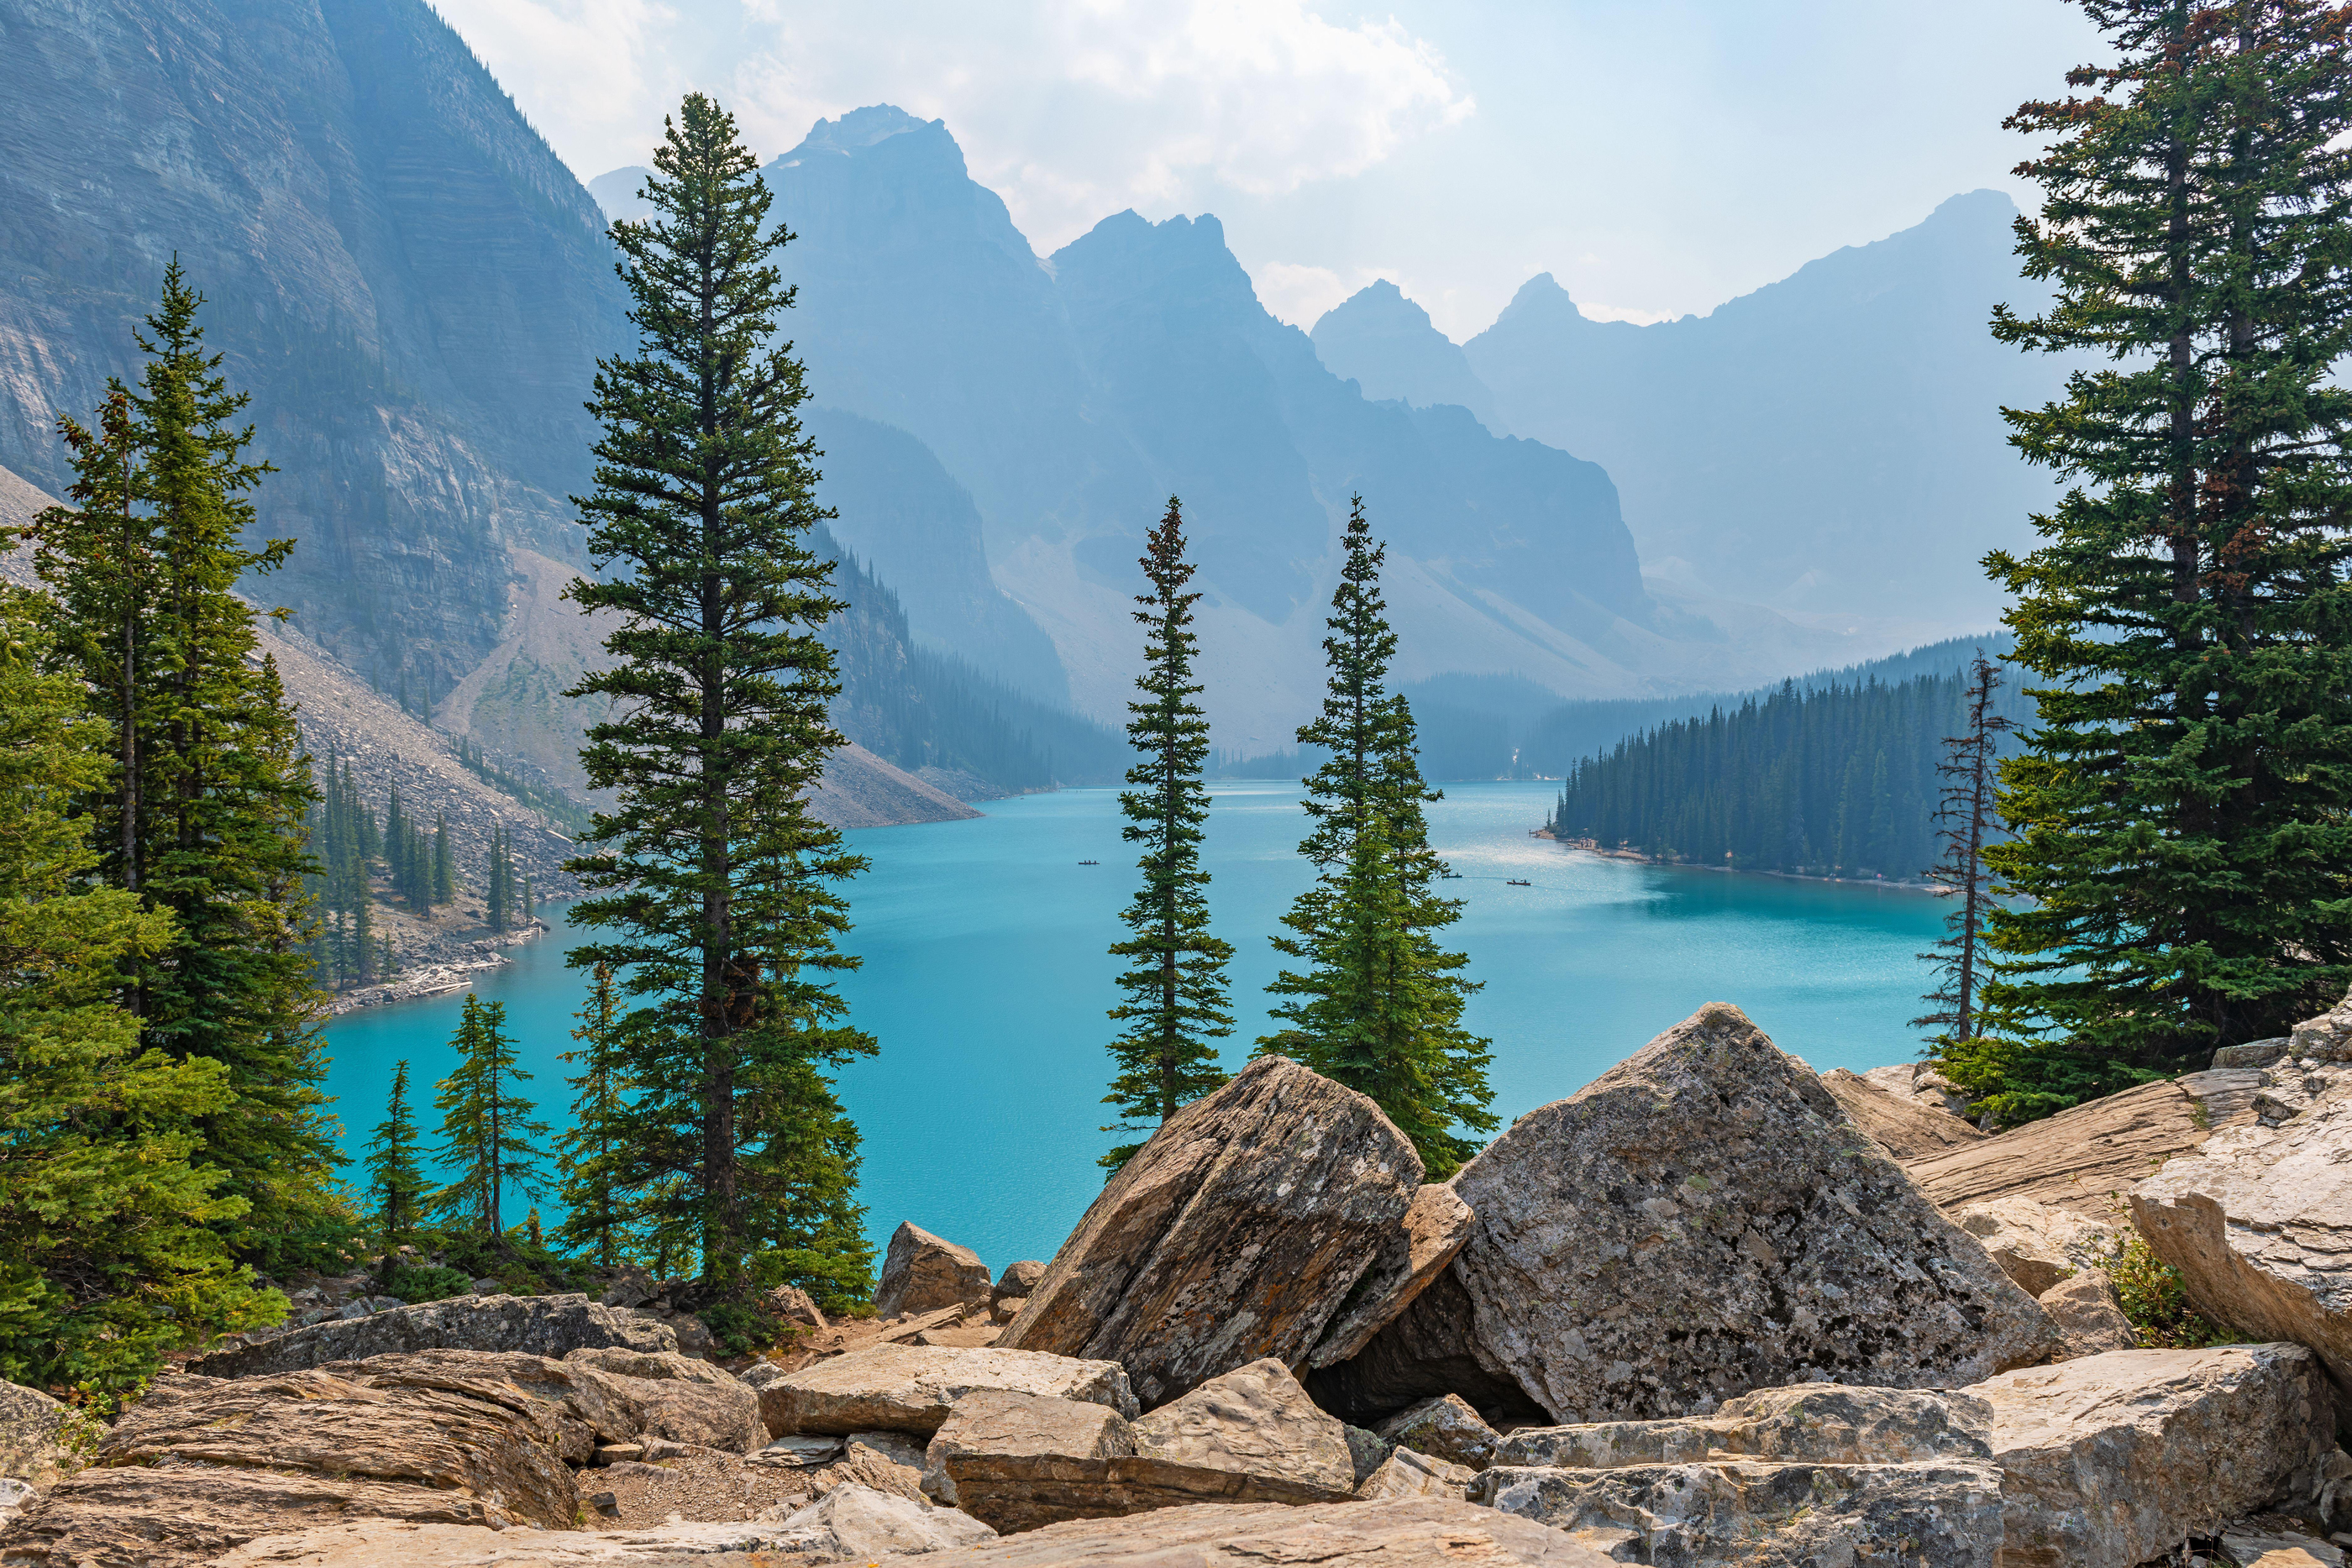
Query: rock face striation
{"type": "Point", "coordinates": [1702, 1221]}
{"type": "Point", "coordinates": [1905, 1125]}
{"type": "Point", "coordinates": [531, 1326]}
{"type": "Point", "coordinates": [2109, 1460]}
{"type": "Point", "coordinates": [1234, 1234]}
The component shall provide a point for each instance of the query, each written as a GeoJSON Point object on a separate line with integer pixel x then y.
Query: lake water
{"type": "Point", "coordinates": [985, 980]}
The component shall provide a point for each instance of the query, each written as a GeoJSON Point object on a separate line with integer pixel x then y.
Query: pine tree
{"type": "Point", "coordinates": [716, 883]}
{"type": "Point", "coordinates": [206, 819]}
{"type": "Point", "coordinates": [109, 1251]}
{"type": "Point", "coordinates": [396, 1184]}
{"type": "Point", "coordinates": [597, 1218]}
{"type": "Point", "coordinates": [2182, 810]}
{"type": "Point", "coordinates": [1379, 1007]}
{"type": "Point", "coordinates": [1968, 773]}
{"type": "Point", "coordinates": [445, 869]}
{"type": "Point", "coordinates": [494, 899]}
{"type": "Point", "coordinates": [1175, 984]}
{"type": "Point", "coordinates": [488, 1135]}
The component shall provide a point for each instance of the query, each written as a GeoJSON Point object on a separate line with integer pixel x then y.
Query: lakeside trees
{"type": "Point", "coordinates": [1968, 810]}
{"type": "Point", "coordinates": [1378, 1005]}
{"type": "Point", "coordinates": [1175, 982]}
{"type": "Point", "coordinates": [2183, 812]}
{"type": "Point", "coordinates": [715, 884]}
{"type": "Point", "coordinates": [488, 1136]}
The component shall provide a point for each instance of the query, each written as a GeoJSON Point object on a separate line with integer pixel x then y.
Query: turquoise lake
{"type": "Point", "coordinates": [985, 980]}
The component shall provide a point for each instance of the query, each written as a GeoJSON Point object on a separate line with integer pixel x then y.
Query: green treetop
{"type": "Point", "coordinates": [2182, 809]}
{"type": "Point", "coordinates": [1378, 1005]}
{"type": "Point", "coordinates": [488, 1136]}
{"type": "Point", "coordinates": [109, 1250]}
{"type": "Point", "coordinates": [204, 816]}
{"type": "Point", "coordinates": [1175, 982]}
{"type": "Point", "coordinates": [716, 886]}
{"type": "Point", "coordinates": [396, 1184]}
{"type": "Point", "coordinates": [598, 1214]}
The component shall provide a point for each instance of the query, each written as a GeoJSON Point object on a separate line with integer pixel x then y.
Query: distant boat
{"type": "Point", "coordinates": [1090, 862]}
{"type": "Point", "coordinates": [1515, 881]}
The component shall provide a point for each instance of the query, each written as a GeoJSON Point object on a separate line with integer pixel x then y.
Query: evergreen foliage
{"type": "Point", "coordinates": [1835, 781]}
{"type": "Point", "coordinates": [713, 881]}
{"type": "Point", "coordinates": [1378, 1006]}
{"type": "Point", "coordinates": [1175, 981]}
{"type": "Point", "coordinates": [203, 818]}
{"type": "Point", "coordinates": [497, 899]}
{"type": "Point", "coordinates": [109, 1251]}
{"type": "Point", "coordinates": [1968, 774]}
{"type": "Point", "coordinates": [597, 1213]}
{"type": "Point", "coordinates": [342, 840]}
{"type": "Point", "coordinates": [488, 1135]}
{"type": "Point", "coordinates": [445, 865]}
{"type": "Point", "coordinates": [2182, 814]}
{"type": "Point", "coordinates": [396, 1184]}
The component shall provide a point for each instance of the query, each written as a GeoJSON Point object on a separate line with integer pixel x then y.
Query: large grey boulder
{"type": "Point", "coordinates": [533, 1325]}
{"type": "Point", "coordinates": [911, 1388]}
{"type": "Point", "coordinates": [922, 1273]}
{"type": "Point", "coordinates": [2327, 1038]}
{"type": "Point", "coordinates": [2259, 1222]}
{"type": "Point", "coordinates": [683, 1398]}
{"type": "Point", "coordinates": [30, 1426]}
{"type": "Point", "coordinates": [1710, 1514]}
{"type": "Point", "coordinates": [1234, 1234]}
{"type": "Point", "coordinates": [2110, 1461]}
{"type": "Point", "coordinates": [1254, 1420]}
{"type": "Point", "coordinates": [1445, 1427]}
{"type": "Point", "coordinates": [991, 1422]}
{"type": "Point", "coordinates": [2089, 1314]}
{"type": "Point", "coordinates": [1820, 1423]}
{"type": "Point", "coordinates": [1702, 1220]}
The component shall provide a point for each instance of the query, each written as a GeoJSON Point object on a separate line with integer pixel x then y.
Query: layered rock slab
{"type": "Point", "coordinates": [551, 1326]}
{"type": "Point", "coordinates": [922, 1273]}
{"type": "Point", "coordinates": [911, 1388]}
{"type": "Point", "coordinates": [1764, 1514]}
{"type": "Point", "coordinates": [1234, 1234]}
{"type": "Point", "coordinates": [1703, 1219]}
{"type": "Point", "coordinates": [1817, 1422]}
{"type": "Point", "coordinates": [1904, 1126]}
{"type": "Point", "coordinates": [1430, 1236]}
{"type": "Point", "coordinates": [1406, 1473]}
{"type": "Point", "coordinates": [1413, 1532]}
{"type": "Point", "coordinates": [2110, 1461]}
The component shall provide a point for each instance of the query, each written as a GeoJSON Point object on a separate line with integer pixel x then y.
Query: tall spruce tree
{"type": "Point", "coordinates": [1378, 1006]}
{"type": "Point", "coordinates": [597, 1223]}
{"type": "Point", "coordinates": [488, 1136]}
{"type": "Point", "coordinates": [396, 1184]}
{"type": "Point", "coordinates": [205, 817]}
{"type": "Point", "coordinates": [717, 885]}
{"type": "Point", "coordinates": [110, 1247]}
{"type": "Point", "coordinates": [2182, 812]}
{"type": "Point", "coordinates": [1175, 982]}
{"type": "Point", "coordinates": [1967, 811]}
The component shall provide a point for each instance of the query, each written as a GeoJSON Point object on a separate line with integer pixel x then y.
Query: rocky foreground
{"type": "Point", "coordinates": [1713, 1309]}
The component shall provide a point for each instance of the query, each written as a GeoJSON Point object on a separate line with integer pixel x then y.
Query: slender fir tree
{"type": "Point", "coordinates": [396, 1184]}
{"type": "Point", "coordinates": [1969, 812]}
{"type": "Point", "coordinates": [1175, 982]}
{"type": "Point", "coordinates": [718, 887]}
{"type": "Point", "coordinates": [205, 823]}
{"type": "Point", "coordinates": [2182, 810]}
{"type": "Point", "coordinates": [597, 1223]}
{"type": "Point", "coordinates": [1378, 1005]}
{"type": "Point", "coordinates": [445, 869]}
{"type": "Point", "coordinates": [488, 1136]}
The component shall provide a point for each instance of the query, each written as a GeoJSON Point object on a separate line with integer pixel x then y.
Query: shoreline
{"type": "Point", "coordinates": [1589, 846]}
{"type": "Point", "coordinates": [481, 956]}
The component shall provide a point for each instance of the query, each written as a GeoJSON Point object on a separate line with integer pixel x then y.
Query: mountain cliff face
{"type": "Point", "coordinates": [1831, 442]}
{"type": "Point", "coordinates": [411, 284]}
{"type": "Point", "coordinates": [1389, 346]}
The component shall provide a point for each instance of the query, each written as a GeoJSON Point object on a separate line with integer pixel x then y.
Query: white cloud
{"type": "Point", "coordinates": [1070, 109]}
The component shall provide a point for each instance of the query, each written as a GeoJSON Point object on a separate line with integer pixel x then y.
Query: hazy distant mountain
{"type": "Point", "coordinates": [1388, 345]}
{"type": "Point", "coordinates": [411, 283]}
{"type": "Point", "coordinates": [616, 192]}
{"type": "Point", "coordinates": [1831, 443]}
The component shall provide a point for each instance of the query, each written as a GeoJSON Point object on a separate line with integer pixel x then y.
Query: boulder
{"type": "Point", "coordinates": [1408, 1532]}
{"type": "Point", "coordinates": [854, 1522]}
{"type": "Point", "coordinates": [1703, 1219]}
{"type": "Point", "coordinates": [1256, 1421]}
{"type": "Point", "coordinates": [1920, 1083]}
{"type": "Point", "coordinates": [1426, 1353]}
{"type": "Point", "coordinates": [793, 1305]}
{"type": "Point", "coordinates": [910, 1388]}
{"type": "Point", "coordinates": [1445, 1427]}
{"type": "Point", "coordinates": [683, 1399]}
{"type": "Point", "coordinates": [2254, 1053]}
{"type": "Point", "coordinates": [1367, 1451]}
{"type": "Point", "coordinates": [2259, 1222]}
{"type": "Point", "coordinates": [1017, 1281]}
{"type": "Point", "coordinates": [1944, 1514]}
{"type": "Point", "coordinates": [992, 1422]}
{"type": "Point", "coordinates": [1004, 1308]}
{"type": "Point", "coordinates": [922, 1273]}
{"type": "Point", "coordinates": [1234, 1234]}
{"type": "Point", "coordinates": [1904, 1126]}
{"type": "Point", "coordinates": [2327, 1038]}
{"type": "Point", "coordinates": [631, 1286]}
{"type": "Point", "coordinates": [2088, 1158]}
{"type": "Point", "coordinates": [2088, 1314]}
{"type": "Point", "coordinates": [2038, 1244]}
{"type": "Point", "coordinates": [1405, 1473]}
{"type": "Point", "coordinates": [1425, 1241]}
{"type": "Point", "coordinates": [30, 1426]}
{"type": "Point", "coordinates": [1817, 1422]}
{"type": "Point", "coordinates": [534, 1325]}
{"type": "Point", "coordinates": [2110, 1461]}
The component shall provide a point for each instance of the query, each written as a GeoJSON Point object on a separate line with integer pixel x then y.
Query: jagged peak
{"type": "Point", "coordinates": [860, 129]}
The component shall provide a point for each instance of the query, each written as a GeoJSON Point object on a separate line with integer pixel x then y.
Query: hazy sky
{"type": "Point", "coordinates": [1658, 156]}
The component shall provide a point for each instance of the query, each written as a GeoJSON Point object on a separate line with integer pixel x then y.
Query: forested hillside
{"type": "Point", "coordinates": [1838, 780]}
